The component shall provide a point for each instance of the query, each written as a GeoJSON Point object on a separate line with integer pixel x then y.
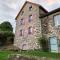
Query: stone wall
{"type": "Point", "coordinates": [49, 29]}
{"type": "Point", "coordinates": [18, 57]}
{"type": "Point", "coordinates": [30, 40]}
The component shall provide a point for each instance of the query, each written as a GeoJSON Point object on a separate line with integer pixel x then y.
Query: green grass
{"type": "Point", "coordinates": [4, 54]}
{"type": "Point", "coordinates": [41, 54]}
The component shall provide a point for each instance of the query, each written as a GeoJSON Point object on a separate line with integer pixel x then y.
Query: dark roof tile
{"type": "Point", "coordinates": [52, 12]}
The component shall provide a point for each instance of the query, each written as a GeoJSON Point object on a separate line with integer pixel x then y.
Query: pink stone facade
{"type": "Point", "coordinates": [28, 41]}
{"type": "Point", "coordinates": [39, 27]}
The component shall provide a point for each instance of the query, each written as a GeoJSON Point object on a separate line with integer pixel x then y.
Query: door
{"type": "Point", "coordinates": [53, 44]}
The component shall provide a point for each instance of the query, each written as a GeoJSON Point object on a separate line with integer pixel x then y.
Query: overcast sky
{"type": "Point", "coordinates": [10, 8]}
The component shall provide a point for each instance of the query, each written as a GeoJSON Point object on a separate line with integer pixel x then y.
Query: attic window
{"type": "Point", "coordinates": [30, 7]}
{"type": "Point", "coordinates": [22, 12]}
{"type": "Point", "coordinates": [21, 22]}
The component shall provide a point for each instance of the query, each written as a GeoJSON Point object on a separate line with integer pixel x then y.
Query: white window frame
{"type": "Point", "coordinates": [52, 43]}
{"type": "Point", "coordinates": [57, 20]}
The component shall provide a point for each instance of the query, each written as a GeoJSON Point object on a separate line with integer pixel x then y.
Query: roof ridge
{"type": "Point", "coordinates": [32, 3]}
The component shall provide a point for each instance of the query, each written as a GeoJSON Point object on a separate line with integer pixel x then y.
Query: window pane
{"type": "Point", "coordinates": [53, 44]}
{"type": "Point", "coordinates": [30, 18]}
{"type": "Point", "coordinates": [29, 30]}
{"type": "Point", "coordinates": [21, 22]}
{"type": "Point", "coordinates": [30, 8]}
{"type": "Point", "coordinates": [57, 20]}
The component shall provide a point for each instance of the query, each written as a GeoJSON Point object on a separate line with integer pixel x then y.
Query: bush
{"type": "Point", "coordinates": [43, 42]}
{"type": "Point", "coordinates": [6, 37]}
{"type": "Point", "coordinates": [6, 33]}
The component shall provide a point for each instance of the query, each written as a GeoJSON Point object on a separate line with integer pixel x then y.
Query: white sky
{"type": "Point", "coordinates": [10, 8]}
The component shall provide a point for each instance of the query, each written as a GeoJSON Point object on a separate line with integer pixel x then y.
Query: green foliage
{"type": "Point", "coordinates": [6, 37]}
{"type": "Point", "coordinates": [6, 26]}
{"type": "Point", "coordinates": [4, 54]}
{"type": "Point", "coordinates": [43, 42]}
{"type": "Point", "coordinates": [38, 53]}
{"type": "Point", "coordinates": [6, 33]}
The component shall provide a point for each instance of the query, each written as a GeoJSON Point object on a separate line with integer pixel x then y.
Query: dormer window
{"type": "Point", "coordinates": [30, 7]}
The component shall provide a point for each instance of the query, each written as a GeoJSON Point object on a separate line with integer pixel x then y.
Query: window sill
{"type": "Point", "coordinates": [57, 27]}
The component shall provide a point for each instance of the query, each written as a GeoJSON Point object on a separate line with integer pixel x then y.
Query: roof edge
{"type": "Point", "coordinates": [32, 3]}
{"type": "Point", "coordinates": [49, 13]}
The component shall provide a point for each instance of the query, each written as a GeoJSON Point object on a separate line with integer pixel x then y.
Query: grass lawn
{"type": "Point", "coordinates": [4, 54]}
{"type": "Point", "coordinates": [41, 54]}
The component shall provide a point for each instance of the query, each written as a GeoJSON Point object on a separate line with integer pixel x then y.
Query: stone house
{"type": "Point", "coordinates": [34, 21]}
{"type": "Point", "coordinates": [50, 23]}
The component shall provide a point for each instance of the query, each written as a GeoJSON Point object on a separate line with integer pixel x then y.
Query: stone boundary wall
{"type": "Point", "coordinates": [20, 57]}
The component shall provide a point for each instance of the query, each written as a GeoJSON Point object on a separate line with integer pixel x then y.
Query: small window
{"type": "Point", "coordinates": [22, 12]}
{"type": "Point", "coordinates": [57, 20]}
{"type": "Point", "coordinates": [30, 18]}
{"type": "Point", "coordinates": [30, 8]}
{"type": "Point", "coordinates": [21, 32]}
{"type": "Point", "coordinates": [29, 30]}
{"type": "Point", "coordinates": [21, 22]}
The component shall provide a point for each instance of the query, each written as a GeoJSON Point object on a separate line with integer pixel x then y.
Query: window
{"type": "Point", "coordinates": [30, 8]}
{"type": "Point", "coordinates": [21, 32]}
{"type": "Point", "coordinates": [21, 22]}
{"type": "Point", "coordinates": [22, 12]}
{"type": "Point", "coordinates": [30, 18]}
{"type": "Point", "coordinates": [57, 20]}
{"type": "Point", "coordinates": [53, 44]}
{"type": "Point", "coordinates": [29, 30]}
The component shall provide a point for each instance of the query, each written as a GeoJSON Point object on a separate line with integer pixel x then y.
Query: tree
{"type": "Point", "coordinates": [6, 37]}
{"type": "Point", "coordinates": [6, 26]}
{"type": "Point", "coordinates": [6, 33]}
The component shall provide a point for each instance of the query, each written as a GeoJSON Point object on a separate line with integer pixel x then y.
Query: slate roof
{"type": "Point", "coordinates": [52, 12]}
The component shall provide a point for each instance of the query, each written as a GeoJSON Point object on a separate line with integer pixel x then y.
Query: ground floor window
{"type": "Point", "coordinates": [53, 44]}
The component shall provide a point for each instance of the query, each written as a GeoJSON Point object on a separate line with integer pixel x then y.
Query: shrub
{"type": "Point", "coordinates": [6, 37]}
{"type": "Point", "coordinates": [43, 42]}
